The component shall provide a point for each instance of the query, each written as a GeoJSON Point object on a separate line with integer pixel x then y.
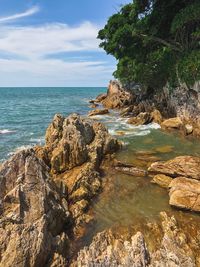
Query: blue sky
{"type": "Point", "coordinates": [53, 42]}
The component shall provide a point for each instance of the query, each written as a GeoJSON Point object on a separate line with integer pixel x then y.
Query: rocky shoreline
{"type": "Point", "coordinates": [47, 192]}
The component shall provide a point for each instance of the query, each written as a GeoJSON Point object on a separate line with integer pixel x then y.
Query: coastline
{"type": "Point", "coordinates": [128, 174]}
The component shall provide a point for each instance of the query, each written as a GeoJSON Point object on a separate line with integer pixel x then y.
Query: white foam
{"type": "Point", "coordinates": [6, 131]}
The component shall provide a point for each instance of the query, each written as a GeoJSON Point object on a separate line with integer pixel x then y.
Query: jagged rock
{"type": "Point", "coordinates": [116, 97]}
{"type": "Point", "coordinates": [142, 118]}
{"type": "Point", "coordinates": [34, 214]}
{"type": "Point", "coordinates": [106, 251]}
{"type": "Point", "coordinates": [186, 166]}
{"type": "Point", "coordinates": [162, 180]}
{"type": "Point", "coordinates": [93, 105]}
{"type": "Point", "coordinates": [172, 123]}
{"type": "Point", "coordinates": [185, 194]}
{"type": "Point", "coordinates": [98, 112]}
{"type": "Point", "coordinates": [74, 149]}
{"type": "Point", "coordinates": [100, 97]}
{"type": "Point", "coordinates": [129, 169]}
{"type": "Point", "coordinates": [174, 250]}
{"type": "Point", "coordinates": [71, 141]}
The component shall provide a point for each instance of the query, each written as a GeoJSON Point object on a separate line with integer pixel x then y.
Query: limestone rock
{"type": "Point", "coordinates": [186, 166]}
{"type": "Point", "coordinates": [162, 180]}
{"type": "Point", "coordinates": [185, 194]}
{"type": "Point", "coordinates": [98, 112]}
{"type": "Point", "coordinates": [33, 214]}
{"type": "Point", "coordinates": [172, 123]}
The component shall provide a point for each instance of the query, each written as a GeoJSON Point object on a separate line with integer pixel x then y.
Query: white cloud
{"type": "Point", "coordinates": [27, 13]}
{"type": "Point", "coordinates": [30, 50]}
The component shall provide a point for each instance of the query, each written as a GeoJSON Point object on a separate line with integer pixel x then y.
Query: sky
{"type": "Point", "coordinates": [53, 42]}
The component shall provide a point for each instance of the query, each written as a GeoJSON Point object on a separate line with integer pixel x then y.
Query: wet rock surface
{"type": "Point", "coordinates": [98, 112]}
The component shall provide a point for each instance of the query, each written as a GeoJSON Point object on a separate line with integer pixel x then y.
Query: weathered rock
{"type": "Point", "coordinates": [75, 148]}
{"type": "Point", "coordinates": [117, 97]}
{"type": "Point", "coordinates": [34, 214]}
{"type": "Point", "coordinates": [162, 180]}
{"type": "Point", "coordinates": [185, 194]}
{"type": "Point", "coordinates": [142, 118]}
{"type": "Point", "coordinates": [72, 141]}
{"type": "Point", "coordinates": [107, 251]}
{"type": "Point", "coordinates": [172, 123]}
{"type": "Point", "coordinates": [129, 169]}
{"type": "Point", "coordinates": [186, 166]}
{"type": "Point", "coordinates": [98, 112]}
{"type": "Point", "coordinates": [100, 97]}
{"type": "Point", "coordinates": [174, 250]}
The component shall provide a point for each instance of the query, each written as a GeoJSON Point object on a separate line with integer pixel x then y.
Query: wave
{"type": "Point", "coordinates": [6, 131]}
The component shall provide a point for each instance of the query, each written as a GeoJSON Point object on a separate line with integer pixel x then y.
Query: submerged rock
{"type": "Point", "coordinates": [186, 166]}
{"type": "Point", "coordinates": [129, 169]}
{"type": "Point", "coordinates": [34, 215]}
{"type": "Point", "coordinates": [185, 194]}
{"type": "Point", "coordinates": [98, 112]}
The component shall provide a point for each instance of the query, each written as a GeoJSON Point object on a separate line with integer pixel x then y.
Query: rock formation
{"type": "Point", "coordinates": [108, 250]}
{"type": "Point", "coordinates": [34, 215]}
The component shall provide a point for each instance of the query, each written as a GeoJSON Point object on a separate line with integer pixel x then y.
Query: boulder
{"type": "Point", "coordinates": [156, 116]}
{"type": "Point", "coordinates": [188, 129]}
{"type": "Point", "coordinates": [162, 180]}
{"type": "Point", "coordinates": [172, 123]}
{"type": "Point", "coordinates": [185, 194]}
{"type": "Point", "coordinates": [186, 166]}
{"type": "Point", "coordinates": [34, 214]}
{"type": "Point", "coordinates": [98, 112]}
{"type": "Point", "coordinates": [141, 119]}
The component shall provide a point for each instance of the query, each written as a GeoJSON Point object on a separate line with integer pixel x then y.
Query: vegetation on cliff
{"type": "Point", "coordinates": [155, 42]}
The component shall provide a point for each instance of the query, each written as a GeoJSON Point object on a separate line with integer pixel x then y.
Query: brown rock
{"type": "Point", "coordinates": [142, 118]}
{"type": "Point", "coordinates": [100, 97]}
{"type": "Point", "coordinates": [188, 129]}
{"type": "Point", "coordinates": [186, 166]}
{"type": "Point", "coordinates": [185, 194]}
{"type": "Point", "coordinates": [129, 169]}
{"type": "Point", "coordinates": [162, 180]}
{"type": "Point", "coordinates": [93, 105]}
{"type": "Point", "coordinates": [156, 116]}
{"type": "Point", "coordinates": [173, 123]}
{"type": "Point", "coordinates": [98, 112]}
{"type": "Point", "coordinates": [33, 216]}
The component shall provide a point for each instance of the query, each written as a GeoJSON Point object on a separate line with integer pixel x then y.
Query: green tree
{"type": "Point", "coordinates": [155, 42]}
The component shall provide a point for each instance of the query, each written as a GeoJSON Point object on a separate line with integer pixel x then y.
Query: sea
{"type": "Point", "coordinates": [25, 113]}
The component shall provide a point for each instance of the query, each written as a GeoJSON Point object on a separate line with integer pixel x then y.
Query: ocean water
{"type": "Point", "coordinates": [26, 112]}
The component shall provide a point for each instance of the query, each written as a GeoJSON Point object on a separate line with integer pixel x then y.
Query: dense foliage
{"type": "Point", "coordinates": [155, 42]}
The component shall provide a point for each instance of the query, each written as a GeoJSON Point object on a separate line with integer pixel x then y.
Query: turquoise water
{"type": "Point", "coordinates": [26, 112]}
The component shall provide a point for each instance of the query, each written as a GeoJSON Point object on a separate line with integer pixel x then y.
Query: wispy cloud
{"type": "Point", "coordinates": [26, 13]}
